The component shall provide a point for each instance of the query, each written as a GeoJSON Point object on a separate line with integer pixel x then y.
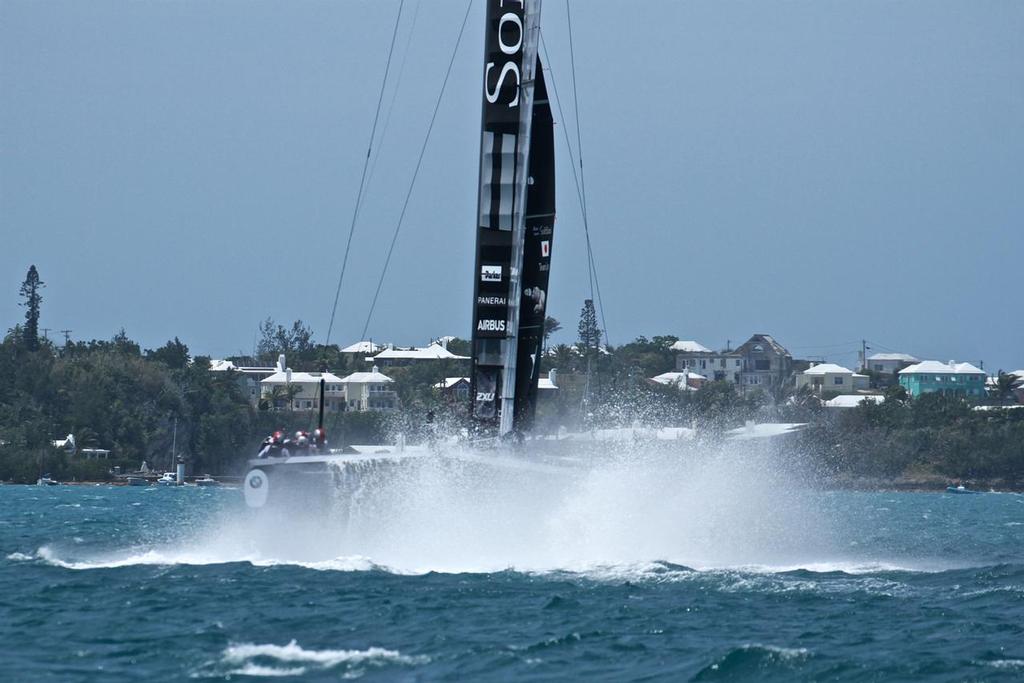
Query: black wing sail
{"type": "Point", "coordinates": [510, 77]}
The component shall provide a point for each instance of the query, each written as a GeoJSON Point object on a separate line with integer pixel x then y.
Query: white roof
{"type": "Point", "coordinates": [827, 368]}
{"type": "Point", "coordinates": [904, 357]}
{"type": "Point", "coordinates": [934, 366]}
{"type": "Point", "coordinates": [545, 383]}
{"type": "Point", "coordinates": [1013, 407]}
{"type": "Point", "coordinates": [432, 352]}
{"type": "Point", "coordinates": [853, 400]}
{"type": "Point", "coordinates": [221, 365]}
{"type": "Point", "coordinates": [372, 377]}
{"type": "Point", "coordinates": [362, 347]}
{"type": "Point", "coordinates": [1017, 373]}
{"type": "Point", "coordinates": [449, 382]}
{"type": "Point", "coordinates": [689, 346]}
{"type": "Point", "coordinates": [679, 378]}
{"type": "Point", "coordinates": [301, 378]}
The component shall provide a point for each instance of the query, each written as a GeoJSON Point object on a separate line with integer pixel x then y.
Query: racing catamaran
{"type": "Point", "coordinates": [515, 223]}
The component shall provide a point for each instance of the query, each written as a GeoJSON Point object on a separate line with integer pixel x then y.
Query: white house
{"type": "Point", "coordinates": [249, 377]}
{"type": "Point", "coordinates": [718, 366]}
{"type": "Point", "coordinates": [890, 363]}
{"type": "Point", "coordinates": [831, 377]}
{"type": "Point", "coordinates": [853, 400]}
{"type": "Point", "coordinates": [363, 348]}
{"type": "Point", "coordinates": [369, 391]}
{"type": "Point", "coordinates": [684, 381]}
{"type": "Point", "coordinates": [301, 390]}
{"type": "Point", "coordinates": [432, 352]}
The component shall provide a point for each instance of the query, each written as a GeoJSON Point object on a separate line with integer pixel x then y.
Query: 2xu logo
{"type": "Point", "coordinates": [510, 42]}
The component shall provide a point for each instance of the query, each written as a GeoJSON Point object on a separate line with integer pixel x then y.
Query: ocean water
{"type": "Point", "coordinates": [632, 571]}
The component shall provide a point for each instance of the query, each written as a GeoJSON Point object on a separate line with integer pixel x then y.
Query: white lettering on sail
{"type": "Point", "coordinates": [492, 97]}
{"type": "Point", "coordinates": [490, 326]}
{"type": "Point", "coordinates": [505, 18]}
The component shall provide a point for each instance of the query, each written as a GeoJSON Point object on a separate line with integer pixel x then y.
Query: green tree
{"type": "Point", "coordinates": [30, 292]}
{"type": "Point", "coordinates": [589, 339]}
{"type": "Point", "coordinates": [173, 354]}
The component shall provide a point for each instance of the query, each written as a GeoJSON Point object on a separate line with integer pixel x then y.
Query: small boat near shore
{"type": "Point", "coordinates": [206, 480]}
{"type": "Point", "coordinates": [961, 490]}
{"type": "Point", "coordinates": [46, 480]}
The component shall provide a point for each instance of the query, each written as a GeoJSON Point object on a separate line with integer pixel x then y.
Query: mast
{"type": "Point", "coordinates": [511, 70]}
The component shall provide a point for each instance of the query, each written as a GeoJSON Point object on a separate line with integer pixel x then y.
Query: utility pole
{"type": "Point", "coordinates": [46, 333]}
{"type": "Point", "coordinates": [67, 336]}
{"type": "Point", "coordinates": [864, 354]}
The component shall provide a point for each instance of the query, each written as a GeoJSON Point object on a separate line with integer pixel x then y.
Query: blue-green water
{"type": "Point", "coordinates": [104, 583]}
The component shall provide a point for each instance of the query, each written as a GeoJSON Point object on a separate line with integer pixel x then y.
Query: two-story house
{"type": "Point", "coordinates": [765, 362]}
{"type": "Point", "coordinates": [952, 378]}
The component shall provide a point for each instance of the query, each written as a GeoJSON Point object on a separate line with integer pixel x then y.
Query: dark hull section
{"type": "Point", "coordinates": [540, 225]}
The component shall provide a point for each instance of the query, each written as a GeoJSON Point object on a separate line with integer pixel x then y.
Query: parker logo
{"type": "Point", "coordinates": [490, 273]}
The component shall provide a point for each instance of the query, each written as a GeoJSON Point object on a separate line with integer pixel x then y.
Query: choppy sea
{"type": "Point", "coordinates": [105, 583]}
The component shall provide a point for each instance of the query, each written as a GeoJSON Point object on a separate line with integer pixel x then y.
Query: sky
{"type": "Point", "coordinates": [824, 172]}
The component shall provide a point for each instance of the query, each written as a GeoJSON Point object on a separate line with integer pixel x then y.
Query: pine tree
{"type": "Point", "coordinates": [589, 332]}
{"type": "Point", "coordinates": [30, 291]}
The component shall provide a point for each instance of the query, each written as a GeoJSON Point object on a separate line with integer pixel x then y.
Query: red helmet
{"type": "Point", "coordinates": [277, 437]}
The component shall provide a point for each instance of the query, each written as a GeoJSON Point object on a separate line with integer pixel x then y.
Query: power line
{"type": "Point", "coordinates": [362, 179]}
{"type": "Point", "coordinates": [416, 171]}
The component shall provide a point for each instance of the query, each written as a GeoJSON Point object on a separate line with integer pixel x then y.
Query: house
{"type": "Point", "coordinates": [397, 356]}
{"type": "Point", "coordinates": [248, 377]}
{"type": "Point", "coordinates": [765, 362]}
{"type": "Point", "coordinates": [853, 400]}
{"type": "Point", "coordinates": [718, 366]}
{"type": "Point", "coordinates": [684, 381]}
{"type": "Point", "coordinates": [369, 391]}
{"type": "Point", "coordinates": [363, 348]}
{"type": "Point", "coordinates": [952, 378]}
{"type": "Point", "coordinates": [889, 363]}
{"type": "Point", "coordinates": [286, 389]}
{"type": "Point", "coordinates": [829, 377]}
{"type": "Point", "coordinates": [454, 388]}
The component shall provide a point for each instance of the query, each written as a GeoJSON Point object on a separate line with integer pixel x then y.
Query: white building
{"type": "Point", "coordinates": [301, 391]}
{"type": "Point", "coordinates": [890, 363]}
{"type": "Point", "coordinates": [717, 366]}
{"type": "Point", "coordinates": [432, 352]}
{"type": "Point", "coordinates": [363, 348]}
{"type": "Point", "coordinates": [832, 378]}
{"type": "Point", "coordinates": [249, 377]}
{"type": "Point", "coordinates": [369, 391]}
{"type": "Point", "coordinates": [684, 381]}
{"type": "Point", "coordinates": [853, 400]}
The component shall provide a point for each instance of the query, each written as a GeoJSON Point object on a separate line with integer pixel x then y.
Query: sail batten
{"type": "Point", "coordinates": [515, 220]}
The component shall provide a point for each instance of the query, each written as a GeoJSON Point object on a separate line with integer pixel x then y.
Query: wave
{"type": "Point", "coordinates": [271, 660]}
{"type": "Point", "coordinates": [657, 570]}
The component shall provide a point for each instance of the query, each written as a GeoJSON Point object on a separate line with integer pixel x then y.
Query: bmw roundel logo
{"type": "Point", "coordinates": [256, 482]}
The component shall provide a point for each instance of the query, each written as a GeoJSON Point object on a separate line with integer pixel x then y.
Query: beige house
{"type": "Point", "coordinates": [829, 377]}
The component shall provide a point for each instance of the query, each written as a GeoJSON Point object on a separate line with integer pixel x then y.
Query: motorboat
{"type": "Point", "coordinates": [137, 481]}
{"type": "Point", "coordinates": [168, 479]}
{"type": "Point", "coordinates": [961, 488]}
{"type": "Point", "coordinates": [207, 480]}
{"type": "Point", "coordinates": [46, 480]}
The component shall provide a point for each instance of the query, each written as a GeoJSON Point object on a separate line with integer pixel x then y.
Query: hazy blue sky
{"type": "Point", "coordinates": [820, 171]}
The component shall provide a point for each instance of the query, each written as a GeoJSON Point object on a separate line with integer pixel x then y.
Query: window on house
{"type": "Point", "coordinates": [762, 364]}
{"type": "Point", "coordinates": [878, 368]}
{"type": "Point", "coordinates": [837, 380]}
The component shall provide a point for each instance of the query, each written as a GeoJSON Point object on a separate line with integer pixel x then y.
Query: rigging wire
{"type": "Point", "coordinates": [362, 179]}
{"type": "Point", "coordinates": [394, 93]}
{"type": "Point", "coordinates": [591, 265]}
{"type": "Point", "coordinates": [416, 171]}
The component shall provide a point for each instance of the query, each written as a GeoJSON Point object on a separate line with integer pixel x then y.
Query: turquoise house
{"type": "Point", "coordinates": [952, 379]}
